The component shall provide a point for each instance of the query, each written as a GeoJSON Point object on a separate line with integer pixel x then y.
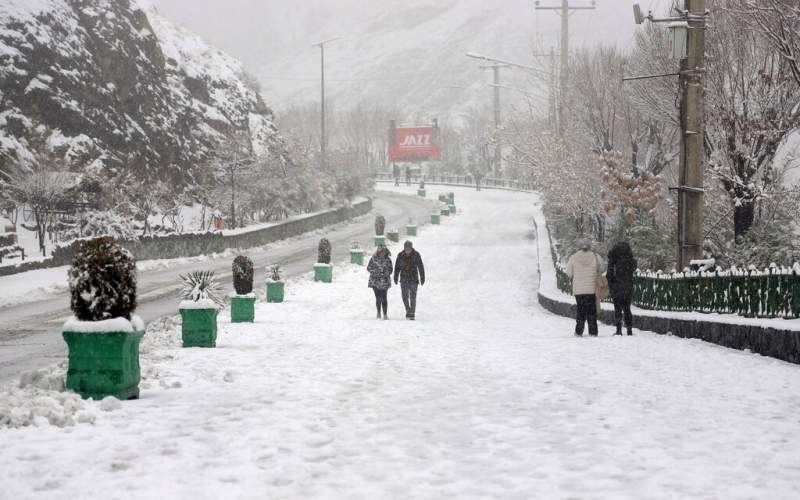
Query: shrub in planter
{"type": "Point", "coordinates": [199, 309]}
{"type": "Point", "coordinates": [323, 269]}
{"type": "Point", "coordinates": [275, 286]}
{"type": "Point", "coordinates": [393, 235]}
{"type": "Point", "coordinates": [244, 300]}
{"type": "Point", "coordinates": [103, 336]}
{"type": "Point", "coordinates": [380, 227]}
{"type": "Point", "coordinates": [356, 254]}
{"type": "Point", "coordinates": [411, 227]}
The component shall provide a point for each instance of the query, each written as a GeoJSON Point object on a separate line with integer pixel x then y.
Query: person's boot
{"type": "Point", "coordinates": [385, 316]}
{"type": "Point", "coordinates": [619, 329]}
{"type": "Point", "coordinates": [630, 330]}
{"type": "Point", "coordinates": [379, 314]}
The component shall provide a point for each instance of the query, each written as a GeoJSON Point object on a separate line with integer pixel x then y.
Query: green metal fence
{"type": "Point", "coordinates": [769, 293]}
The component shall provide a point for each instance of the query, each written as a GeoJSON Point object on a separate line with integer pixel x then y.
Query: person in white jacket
{"type": "Point", "coordinates": [584, 266]}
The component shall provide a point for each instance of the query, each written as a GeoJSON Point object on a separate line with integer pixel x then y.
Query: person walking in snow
{"type": "Point", "coordinates": [380, 278]}
{"type": "Point", "coordinates": [412, 274]}
{"type": "Point", "coordinates": [396, 174]}
{"type": "Point", "coordinates": [408, 175]}
{"type": "Point", "coordinates": [621, 266]}
{"type": "Point", "coordinates": [584, 267]}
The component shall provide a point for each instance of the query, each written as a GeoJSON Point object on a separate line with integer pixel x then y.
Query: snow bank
{"type": "Point", "coordinates": [41, 399]}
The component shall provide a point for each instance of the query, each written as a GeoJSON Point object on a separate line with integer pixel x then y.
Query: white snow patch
{"type": "Point", "coordinates": [135, 324]}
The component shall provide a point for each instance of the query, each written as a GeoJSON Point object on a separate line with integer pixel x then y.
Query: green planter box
{"type": "Point", "coordinates": [199, 327]}
{"type": "Point", "coordinates": [421, 193]}
{"type": "Point", "coordinates": [411, 230]}
{"type": "Point", "coordinates": [275, 291]}
{"type": "Point", "coordinates": [393, 236]}
{"type": "Point", "coordinates": [452, 209]}
{"type": "Point", "coordinates": [379, 240]}
{"type": "Point", "coordinates": [436, 219]}
{"type": "Point", "coordinates": [323, 273]}
{"type": "Point", "coordinates": [357, 257]}
{"type": "Point", "coordinates": [104, 364]}
{"type": "Point", "coordinates": [243, 309]}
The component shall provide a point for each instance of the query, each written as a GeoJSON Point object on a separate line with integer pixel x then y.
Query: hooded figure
{"type": "Point", "coordinates": [584, 266]}
{"type": "Point", "coordinates": [621, 266]}
{"type": "Point", "coordinates": [411, 271]}
{"type": "Point", "coordinates": [380, 278]}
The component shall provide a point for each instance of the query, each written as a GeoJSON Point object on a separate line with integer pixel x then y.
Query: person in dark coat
{"type": "Point", "coordinates": [396, 174]}
{"type": "Point", "coordinates": [408, 175]}
{"type": "Point", "coordinates": [412, 274]}
{"type": "Point", "coordinates": [380, 278]}
{"type": "Point", "coordinates": [621, 266]}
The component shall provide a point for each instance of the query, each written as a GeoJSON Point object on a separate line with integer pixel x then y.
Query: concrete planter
{"type": "Point", "coordinates": [421, 193]}
{"type": "Point", "coordinates": [199, 327]}
{"type": "Point", "coordinates": [411, 230]}
{"type": "Point", "coordinates": [379, 240]}
{"type": "Point", "coordinates": [393, 236]}
{"type": "Point", "coordinates": [357, 257]}
{"type": "Point", "coordinates": [275, 291]}
{"type": "Point", "coordinates": [452, 209]}
{"type": "Point", "coordinates": [104, 364]}
{"type": "Point", "coordinates": [323, 273]}
{"type": "Point", "coordinates": [243, 309]}
{"type": "Point", "coordinates": [436, 219]}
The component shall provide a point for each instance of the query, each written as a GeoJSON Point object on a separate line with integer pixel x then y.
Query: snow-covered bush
{"type": "Point", "coordinates": [96, 223]}
{"type": "Point", "coordinates": [242, 275]}
{"type": "Point", "coordinates": [102, 281]}
{"type": "Point", "coordinates": [200, 286]}
{"type": "Point", "coordinates": [380, 225]}
{"type": "Point", "coordinates": [324, 251]}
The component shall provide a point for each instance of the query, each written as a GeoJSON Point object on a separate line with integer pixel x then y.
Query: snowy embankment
{"type": "Point", "coordinates": [484, 396]}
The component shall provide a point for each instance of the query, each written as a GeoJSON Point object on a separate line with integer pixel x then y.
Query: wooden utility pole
{"type": "Point", "coordinates": [564, 10]}
{"type": "Point", "coordinates": [692, 85]}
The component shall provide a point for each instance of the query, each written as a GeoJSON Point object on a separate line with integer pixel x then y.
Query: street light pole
{"type": "Point", "coordinates": [322, 140]}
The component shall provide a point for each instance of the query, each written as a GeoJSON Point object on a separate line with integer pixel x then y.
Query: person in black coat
{"type": "Point", "coordinates": [412, 273]}
{"type": "Point", "coordinates": [621, 266]}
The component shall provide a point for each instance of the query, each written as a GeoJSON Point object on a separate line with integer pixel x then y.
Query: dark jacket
{"type": "Point", "coordinates": [380, 271]}
{"type": "Point", "coordinates": [409, 268]}
{"type": "Point", "coordinates": [621, 266]}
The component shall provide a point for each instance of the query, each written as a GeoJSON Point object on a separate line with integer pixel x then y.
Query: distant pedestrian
{"type": "Point", "coordinates": [408, 175]}
{"type": "Point", "coordinates": [396, 174]}
{"type": "Point", "coordinates": [621, 266]}
{"type": "Point", "coordinates": [380, 278]}
{"type": "Point", "coordinates": [412, 273]}
{"type": "Point", "coordinates": [584, 267]}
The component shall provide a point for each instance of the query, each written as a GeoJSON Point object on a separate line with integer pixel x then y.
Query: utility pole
{"type": "Point", "coordinates": [498, 155]}
{"type": "Point", "coordinates": [564, 10]}
{"type": "Point", "coordinates": [322, 140]}
{"type": "Point", "coordinates": [688, 43]}
{"type": "Point", "coordinates": [692, 78]}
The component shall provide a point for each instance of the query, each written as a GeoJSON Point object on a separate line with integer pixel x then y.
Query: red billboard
{"type": "Point", "coordinates": [414, 143]}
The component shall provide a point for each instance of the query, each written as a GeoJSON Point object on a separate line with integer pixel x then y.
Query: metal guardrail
{"type": "Point", "coordinates": [459, 180]}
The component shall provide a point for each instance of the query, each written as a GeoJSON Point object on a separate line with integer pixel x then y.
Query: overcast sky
{"type": "Point", "coordinates": [273, 38]}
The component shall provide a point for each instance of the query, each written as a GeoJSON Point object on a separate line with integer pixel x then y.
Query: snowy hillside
{"type": "Point", "coordinates": [118, 88]}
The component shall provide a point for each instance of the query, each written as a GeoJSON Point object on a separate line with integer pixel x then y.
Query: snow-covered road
{"type": "Point", "coordinates": [484, 396]}
{"type": "Point", "coordinates": [34, 305]}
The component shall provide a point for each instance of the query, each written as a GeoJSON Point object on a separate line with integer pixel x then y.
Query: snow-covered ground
{"type": "Point", "coordinates": [484, 396]}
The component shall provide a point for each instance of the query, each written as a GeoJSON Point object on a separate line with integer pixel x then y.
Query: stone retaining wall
{"type": "Point", "coordinates": [767, 341]}
{"type": "Point", "coordinates": [192, 244]}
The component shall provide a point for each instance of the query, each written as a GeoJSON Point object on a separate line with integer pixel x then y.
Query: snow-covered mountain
{"type": "Point", "coordinates": [115, 87]}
